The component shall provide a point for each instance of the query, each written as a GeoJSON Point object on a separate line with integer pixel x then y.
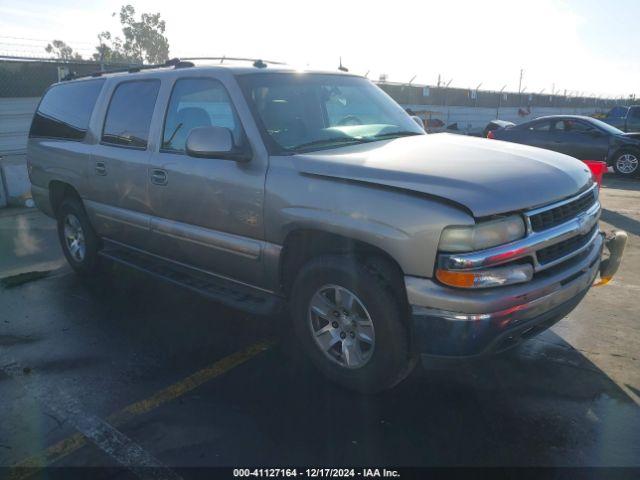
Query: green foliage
{"type": "Point", "coordinates": [144, 40]}
{"type": "Point", "coordinates": [61, 50]}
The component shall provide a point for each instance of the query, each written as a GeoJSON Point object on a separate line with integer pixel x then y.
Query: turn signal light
{"type": "Point", "coordinates": [456, 279]}
{"type": "Point", "coordinates": [492, 277]}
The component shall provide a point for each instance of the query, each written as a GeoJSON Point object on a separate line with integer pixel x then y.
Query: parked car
{"type": "Point", "coordinates": [263, 187]}
{"type": "Point", "coordinates": [494, 125]}
{"type": "Point", "coordinates": [584, 138]}
{"type": "Point", "coordinates": [626, 119]}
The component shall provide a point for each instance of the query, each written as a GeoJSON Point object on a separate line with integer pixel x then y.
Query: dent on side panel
{"type": "Point", "coordinates": [405, 225]}
{"type": "Point", "coordinates": [234, 244]}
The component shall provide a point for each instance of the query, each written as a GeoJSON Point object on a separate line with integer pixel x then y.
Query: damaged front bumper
{"type": "Point", "coordinates": [461, 323]}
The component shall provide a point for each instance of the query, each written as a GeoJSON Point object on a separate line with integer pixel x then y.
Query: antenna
{"type": "Point", "coordinates": [341, 67]}
{"type": "Point", "coordinates": [412, 79]}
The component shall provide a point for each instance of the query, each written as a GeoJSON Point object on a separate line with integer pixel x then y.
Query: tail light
{"type": "Point", "coordinates": [491, 135]}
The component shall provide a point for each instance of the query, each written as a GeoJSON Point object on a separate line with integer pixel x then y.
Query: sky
{"type": "Point", "coordinates": [586, 47]}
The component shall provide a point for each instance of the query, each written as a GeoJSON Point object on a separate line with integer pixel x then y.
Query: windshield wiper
{"type": "Point", "coordinates": [401, 133]}
{"type": "Point", "coordinates": [330, 141]}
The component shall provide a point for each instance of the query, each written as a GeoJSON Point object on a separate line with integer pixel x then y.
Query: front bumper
{"type": "Point", "coordinates": [461, 323]}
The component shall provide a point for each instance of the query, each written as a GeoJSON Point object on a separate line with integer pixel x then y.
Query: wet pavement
{"type": "Point", "coordinates": [192, 383]}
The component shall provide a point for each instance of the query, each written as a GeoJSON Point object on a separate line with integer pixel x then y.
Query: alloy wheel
{"type": "Point", "coordinates": [627, 163]}
{"type": "Point", "coordinates": [74, 237]}
{"type": "Point", "coordinates": [341, 326]}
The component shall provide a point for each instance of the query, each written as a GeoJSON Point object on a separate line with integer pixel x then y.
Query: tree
{"type": "Point", "coordinates": [144, 40]}
{"type": "Point", "coordinates": [110, 50]}
{"type": "Point", "coordinates": [62, 51]}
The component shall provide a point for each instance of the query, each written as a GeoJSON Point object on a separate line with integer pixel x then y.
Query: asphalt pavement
{"type": "Point", "coordinates": [125, 369]}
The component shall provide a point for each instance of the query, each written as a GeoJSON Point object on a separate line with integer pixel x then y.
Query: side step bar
{"type": "Point", "coordinates": [219, 289]}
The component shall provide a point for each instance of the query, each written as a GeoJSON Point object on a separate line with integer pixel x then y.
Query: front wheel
{"type": "Point", "coordinates": [350, 323]}
{"type": "Point", "coordinates": [626, 163]}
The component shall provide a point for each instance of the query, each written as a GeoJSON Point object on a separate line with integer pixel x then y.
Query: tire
{"type": "Point", "coordinates": [626, 163]}
{"type": "Point", "coordinates": [370, 366]}
{"type": "Point", "coordinates": [78, 239]}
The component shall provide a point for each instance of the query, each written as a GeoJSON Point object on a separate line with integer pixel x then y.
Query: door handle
{"type": "Point", "coordinates": [101, 168]}
{"type": "Point", "coordinates": [158, 177]}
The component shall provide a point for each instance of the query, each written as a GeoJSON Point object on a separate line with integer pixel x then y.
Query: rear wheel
{"type": "Point", "coordinates": [79, 242]}
{"type": "Point", "coordinates": [626, 163]}
{"type": "Point", "coordinates": [350, 324]}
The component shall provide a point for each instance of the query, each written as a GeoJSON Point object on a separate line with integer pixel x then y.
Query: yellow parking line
{"type": "Point", "coordinates": [31, 465]}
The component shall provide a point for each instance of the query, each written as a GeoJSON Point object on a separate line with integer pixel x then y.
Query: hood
{"type": "Point", "coordinates": [631, 136]}
{"type": "Point", "coordinates": [487, 177]}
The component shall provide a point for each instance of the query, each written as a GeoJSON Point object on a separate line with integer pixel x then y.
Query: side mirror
{"type": "Point", "coordinates": [418, 120]}
{"type": "Point", "coordinates": [214, 142]}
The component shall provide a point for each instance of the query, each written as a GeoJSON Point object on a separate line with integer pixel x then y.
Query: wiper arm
{"type": "Point", "coordinates": [329, 141]}
{"type": "Point", "coordinates": [401, 133]}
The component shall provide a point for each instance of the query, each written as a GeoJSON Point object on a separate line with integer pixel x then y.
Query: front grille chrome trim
{"type": "Point", "coordinates": [593, 190]}
{"type": "Point", "coordinates": [527, 247]}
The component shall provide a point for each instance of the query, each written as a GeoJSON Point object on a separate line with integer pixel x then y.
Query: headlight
{"type": "Point", "coordinates": [482, 235]}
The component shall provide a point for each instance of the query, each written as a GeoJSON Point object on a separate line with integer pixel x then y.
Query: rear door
{"type": "Point", "coordinates": [118, 200]}
{"type": "Point", "coordinates": [207, 212]}
{"type": "Point", "coordinates": [537, 134]}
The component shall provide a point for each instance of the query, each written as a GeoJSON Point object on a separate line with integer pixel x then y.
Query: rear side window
{"type": "Point", "coordinates": [129, 114]}
{"type": "Point", "coordinates": [65, 110]}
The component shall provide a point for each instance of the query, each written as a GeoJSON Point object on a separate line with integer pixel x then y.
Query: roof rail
{"type": "Point", "coordinates": [174, 62]}
{"type": "Point", "coordinates": [257, 62]}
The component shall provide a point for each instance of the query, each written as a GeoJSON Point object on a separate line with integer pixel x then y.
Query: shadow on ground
{"type": "Point", "coordinates": [542, 404]}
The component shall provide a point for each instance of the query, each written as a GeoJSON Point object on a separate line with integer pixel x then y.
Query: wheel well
{"type": "Point", "coordinates": [58, 191]}
{"type": "Point", "coordinates": [623, 148]}
{"type": "Point", "coordinates": [300, 246]}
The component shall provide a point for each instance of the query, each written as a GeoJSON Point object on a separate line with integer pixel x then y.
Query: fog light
{"type": "Point", "coordinates": [493, 277]}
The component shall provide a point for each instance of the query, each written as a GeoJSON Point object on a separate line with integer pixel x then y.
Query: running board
{"type": "Point", "coordinates": [219, 289]}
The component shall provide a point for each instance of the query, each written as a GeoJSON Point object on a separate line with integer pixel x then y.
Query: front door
{"type": "Point", "coordinates": [581, 140]}
{"type": "Point", "coordinates": [206, 212]}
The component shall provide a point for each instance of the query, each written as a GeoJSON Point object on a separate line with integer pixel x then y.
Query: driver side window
{"type": "Point", "coordinates": [541, 126]}
{"type": "Point", "coordinates": [197, 102]}
{"type": "Point", "coordinates": [348, 106]}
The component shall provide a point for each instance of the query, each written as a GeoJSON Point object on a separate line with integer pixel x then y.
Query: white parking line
{"type": "Point", "coordinates": [106, 437]}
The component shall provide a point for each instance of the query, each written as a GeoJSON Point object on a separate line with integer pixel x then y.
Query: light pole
{"type": "Point", "coordinates": [446, 98]}
{"type": "Point", "coordinates": [475, 103]}
{"type": "Point", "coordinates": [499, 101]}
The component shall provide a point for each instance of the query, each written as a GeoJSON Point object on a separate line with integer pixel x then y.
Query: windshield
{"type": "Point", "coordinates": [606, 127]}
{"type": "Point", "coordinates": [301, 112]}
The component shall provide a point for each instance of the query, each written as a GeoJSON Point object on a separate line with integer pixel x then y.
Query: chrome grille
{"type": "Point", "coordinates": [559, 250]}
{"type": "Point", "coordinates": [554, 216]}
{"type": "Point", "coordinates": [545, 249]}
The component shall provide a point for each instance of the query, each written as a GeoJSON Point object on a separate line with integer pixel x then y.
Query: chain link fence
{"type": "Point", "coordinates": [29, 77]}
{"type": "Point", "coordinates": [26, 77]}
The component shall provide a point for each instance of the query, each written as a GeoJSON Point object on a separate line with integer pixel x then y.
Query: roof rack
{"type": "Point", "coordinates": [174, 62]}
{"type": "Point", "coordinates": [257, 62]}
